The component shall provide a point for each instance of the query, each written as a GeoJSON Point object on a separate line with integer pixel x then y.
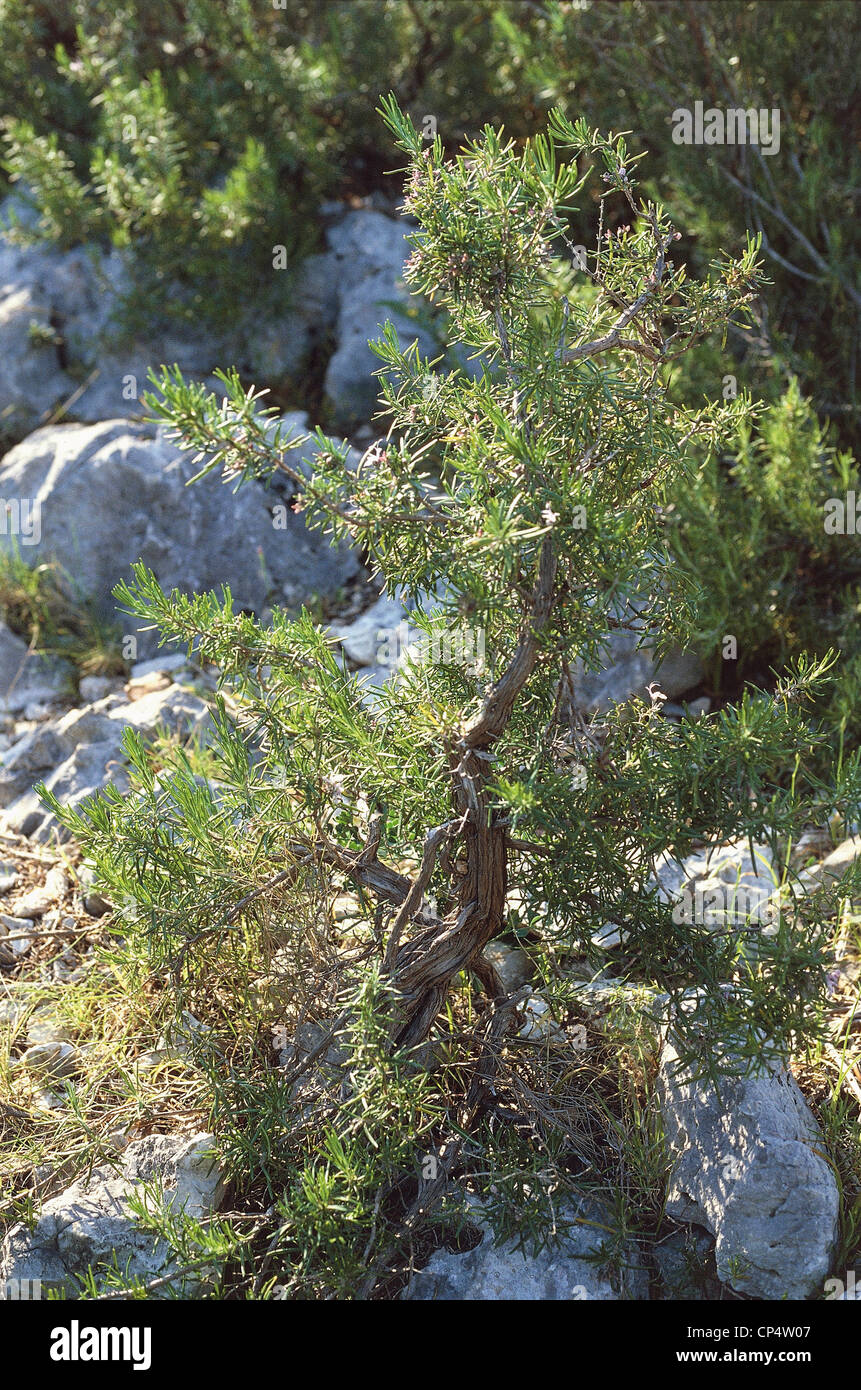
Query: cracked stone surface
{"type": "Point", "coordinates": [110, 494]}
{"type": "Point", "coordinates": [90, 1225]}
{"type": "Point", "coordinates": [366, 259]}
{"type": "Point", "coordinates": [563, 1271]}
{"type": "Point", "coordinates": [26, 678]}
{"type": "Point", "coordinates": [82, 751]}
{"type": "Point", "coordinates": [749, 1166]}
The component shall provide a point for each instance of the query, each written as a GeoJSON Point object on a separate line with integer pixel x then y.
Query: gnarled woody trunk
{"type": "Point", "coordinates": [424, 967]}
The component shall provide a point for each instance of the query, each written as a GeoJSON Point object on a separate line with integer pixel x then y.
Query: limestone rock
{"type": "Point", "coordinates": [562, 1271]}
{"type": "Point", "coordinates": [79, 753]}
{"type": "Point", "coordinates": [115, 492]}
{"type": "Point", "coordinates": [367, 254]}
{"type": "Point", "coordinates": [26, 678]}
{"type": "Point", "coordinates": [90, 1225]}
{"type": "Point", "coordinates": [748, 1167]}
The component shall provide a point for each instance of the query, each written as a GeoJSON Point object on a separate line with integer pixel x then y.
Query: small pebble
{"type": "Point", "coordinates": [8, 875]}
{"type": "Point", "coordinates": [10, 926]}
{"type": "Point", "coordinates": [44, 1029]}
{"type": "Point", "coordinates": [93, 688]}
{"type": "Point", "coordinates": [43, 1099]}
{"type": "Point", "coordinates": [57, 1059]}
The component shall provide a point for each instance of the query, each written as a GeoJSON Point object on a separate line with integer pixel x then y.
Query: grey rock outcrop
{"type": "Point", "coordinates": [280, 347]}
{"type": "Point", "coordinates": [52, 305]}
{"type": "Point", "coordinates": [62, 342]}
{"type": "Point", "coordinates": [565, 1270]}
{"type": "Point", "coordinates": [513, 966]}
{"type": "Point", "coordinates": [90, 1225]}
{"type": "Point", "coordinates": [630, 669]}
{"type": "Point", "coordinates": [748, 1167]}
{"type": "Point", "coordinates": [725, 889]}
{"type": "Point", "coordinates": [830, 870]}
{"type": "Point", "coordinates": [26, 678]}
{"type": "Point", "coordinates": [79, 753]}
{"type": "Point", "coordinates": [63, 345]}
{"type": "Point", "coordinates": [366, 259]}
{"type": "Point", "coordinates": [367, 638]}
{"type": "Point", "coordinates": [112, 493]}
